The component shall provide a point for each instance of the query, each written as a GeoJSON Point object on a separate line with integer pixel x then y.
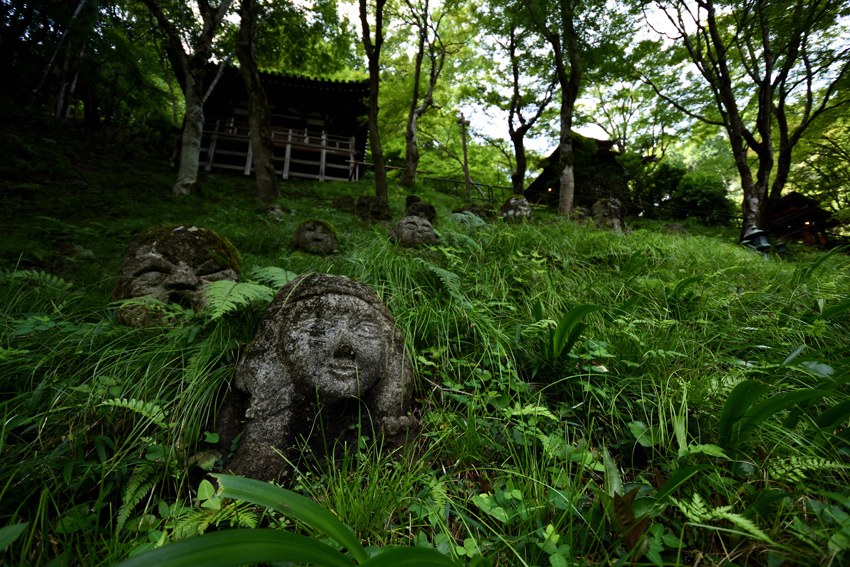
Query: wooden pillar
{"type": "Point", "coordinates": [249, 157]}
{"type": "Point", "coordinates": [211, 148]}
{"type": "Point", "coordinates": [287, 154]}
{"type": "Point", "coordinates": [323, 156]}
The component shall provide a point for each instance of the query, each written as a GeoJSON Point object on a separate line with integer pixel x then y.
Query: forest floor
{"type": "Point", "coordinates": [698, 417]}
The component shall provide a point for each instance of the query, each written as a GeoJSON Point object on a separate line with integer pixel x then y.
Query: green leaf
{"type": "Point", "coordinates": [567, 323]}
{"type": "Point", "coordinates": [9, 534]}
{"type": "Point", "coordinates": [206, 490]}
{"type": "Point", "coordinates": [557, 561]}
{"type": "Point", "coordinates": [240, 547]}
{"type": "Point", "coordinates": [645, 435]}
{"type": "Point", "coordinates": [613, 481]}
{"type": "Point", "coordinates": [739, 401]}
{"type": "Point", "coordinates": [210, 437]}
{"type": "Point", "coordinates": [409, 557]}
{"type": "Point", "coordinates": [678, 480]}
{"type": "Point", "coordinates": [292, 506]}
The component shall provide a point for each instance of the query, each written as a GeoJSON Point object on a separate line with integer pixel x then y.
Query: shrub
{"type": "Point", "coordinates": [701, 192]}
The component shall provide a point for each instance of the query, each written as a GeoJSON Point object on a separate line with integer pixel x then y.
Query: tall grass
{"type": "Point", "coordinates": [108, 432]}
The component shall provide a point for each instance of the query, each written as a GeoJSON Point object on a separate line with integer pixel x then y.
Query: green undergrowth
{"type": "Point", "coordinates": [696, 414]}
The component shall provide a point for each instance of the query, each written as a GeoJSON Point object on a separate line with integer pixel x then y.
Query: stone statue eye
{"type": "Point", "coordinates": [208, 268]}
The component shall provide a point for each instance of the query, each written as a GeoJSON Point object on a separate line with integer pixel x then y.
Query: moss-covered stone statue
{"type": "Point", "coordinates": [172, 264]}
{"type": "Point", "coordinates": [315, 236]}
{"type": "Point", "coordinates": [326, 358]}
{"type": "Point", "coordinates": [516, 208]}
{"type": "Point", "coordinates": [413, 231]}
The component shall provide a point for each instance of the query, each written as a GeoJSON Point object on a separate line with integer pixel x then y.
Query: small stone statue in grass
{"type": "Point", "coordinates": [315, 236]}
{"type": "Point", "coordinates": [413, 231]}
{"type": "Point", "coordinates": [326, 367]}
{"type": "Point", "coordinates": [516, 208]}
{"type": "Point", "coordinates": [424, 210]}
{"type": "Point", "coordinates": [172, 264]}
{"type": "Point", "coordinates": [609, 214]}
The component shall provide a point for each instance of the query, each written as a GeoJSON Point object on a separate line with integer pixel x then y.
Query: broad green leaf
{"type": "Point", "coordinates": [645, 435]}
{"type": "Point", "coordinates": [613, 481]}
{"type": "Point", "coordinates": [205, 490]}
{"type": "Point", "coordinates": [292, 506]}
{"type": "Point", "coordinates": [240, 547]}
{"type": "Point", "coordinates": [567, 323]}
{"type": "Point", "coordinates": [794, 354]}
{"type": "Point", "coordinates": [834, 416]}
{"type": "Point", "coordinates": [9, 534]}
{"type": "Point", "coordinates": [737, 404]}
{"type": "Point", "coordinates": [773, 405]}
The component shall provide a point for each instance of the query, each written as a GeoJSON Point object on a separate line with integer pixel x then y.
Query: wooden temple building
{"type": "Point", "coordinates": [796, 217]}
{"type": "Point", "coordinates": [316, 125]}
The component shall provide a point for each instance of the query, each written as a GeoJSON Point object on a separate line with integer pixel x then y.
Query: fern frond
{"type": "Point", "coordinates": [150, 410]}
{"type": "Point", "coordinates": [277, 277]}
{"type": "Point", "coordinates": [450, 279]}
{"type": "Point", "coordinates": [698, 512]}
{"type": "Point", "coordinates": [42, 277]}
{"type": "Point", "coordinates": [226, 296]}
{"type": "Point", "coordinates": [797, 469]}
{"type": "Point", "coordinates": [138, 486]}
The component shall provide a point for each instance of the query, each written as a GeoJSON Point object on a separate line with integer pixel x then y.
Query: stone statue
{"type": "Point", "coordinates": [516, 208]}
{"type": "Point", "coordinates": [315, 236]}
{"type": "Point", "coordinates": [424, 210]}
{"type": "Point", "coordinates": [172, 264]}
{"type": "Point", "coordinates": [609, 214]}
{"type": "Point", "coordinates": [484, 212]}
{"type": "Point", "coordinates": [413, 231]}
{"type": "Point", "coordinates": [327, 356]}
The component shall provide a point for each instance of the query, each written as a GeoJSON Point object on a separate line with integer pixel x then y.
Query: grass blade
{"type": "Point", "coordinates": [567, 323]}
{"type": "Point", "coordinates": [410, 557]}
{"type": "Point", "coordinates": [240, 547]}
{"type": "Point", "coordinates": [292, 506]}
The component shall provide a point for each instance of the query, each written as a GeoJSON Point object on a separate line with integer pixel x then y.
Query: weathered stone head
{"type": "Point", "coordinates": [424, 210]}
{"type": "Point", "coordinates": [413, 231]}
{"type": "Point", "coordinates": [172, 264]}
{"type": "Point", "coordinates": [315, 236]}
{"type": "Point", "coordinates": [516, 208]}
{"type": "Point", "coordinates": [609, 214]}
{"type": "Point", "coordinates": [326, 356]}
{"type": "Point", "coordinates": [482, 212]}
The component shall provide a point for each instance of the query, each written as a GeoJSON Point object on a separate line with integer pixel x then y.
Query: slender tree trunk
{"type": "Point", "coordinates": [518, 174]}
{"type": "Point", "coordinates": [569, 92]}
{"type": "Point", "coordinates": [373, 53]}
{"type": "Point", "coordinates": [193, 68]}
{"type": "Point", "coordinates": [259, 115]}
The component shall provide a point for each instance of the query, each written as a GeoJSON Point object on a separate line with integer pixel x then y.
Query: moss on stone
{"type": "Point", "coordinates": [329, 228]}
{"type": "Point", "coordinates": [214, 241]}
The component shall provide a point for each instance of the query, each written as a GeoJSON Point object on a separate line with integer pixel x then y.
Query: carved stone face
{"type": "Point", "coordinates": [412, 231]}
{"type": "Point", "coordinates": [337, 345]}
{"type": "Point", "coordinates": [326, 350]}
{"type": "Point", "coordinates": [315, 237]}
{"type": "Point", "coordinates": [172, 264]}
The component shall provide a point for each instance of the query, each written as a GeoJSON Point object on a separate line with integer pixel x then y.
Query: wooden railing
{"type": "Point", "coordinates": [226, 144]}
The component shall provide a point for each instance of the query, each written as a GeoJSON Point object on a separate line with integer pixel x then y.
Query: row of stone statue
{"type": "Point", "coordinates": [327, 365]}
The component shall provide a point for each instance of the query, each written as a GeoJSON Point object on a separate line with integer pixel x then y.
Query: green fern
{"type": "Point", "coordinates": [797, 469]}
{"type": "Point", "coordinates": [278, 277]}
{"type": "Point", "coordinates": [226, 296]}
{"type": "Point", "coordinates": [138, 486]}
{"type": "Point", "coordinates": [150, 410]}
{"type": "Point", "coordinates": [43, 278]}
{"type": "Point", "coordinates": [450, 279]}
{"type": "Point", "coordinates": [698, 512]}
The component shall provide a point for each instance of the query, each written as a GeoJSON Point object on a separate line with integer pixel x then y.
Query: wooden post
{"type": "Point", "coordinates": [463, 124]}
{"type": "Point", "coordinates": [249, 157]}
{"type": "Point", "coordinates": [323, 156]}
{"type": "Point", "coordinates": [211, 149]}
{"type": "Point", "coordinates": [287, 154]}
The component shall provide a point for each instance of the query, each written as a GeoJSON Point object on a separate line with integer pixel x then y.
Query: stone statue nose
{"type": "Point", "coordinates": [344, 349]}
{"type": "Point", "coordinates": [181, 278]}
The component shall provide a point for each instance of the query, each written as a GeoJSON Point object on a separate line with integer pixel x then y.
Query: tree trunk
{"type": "Point", "coordinates": [193, 129]}
{"type": "Point", "coordinates": [259, 115]}
{"type": "Point", "coordinates": [408, 176]}
{"type": "Point", "coordinates": [569, 92]}
{"type": "Point", "coordinates": [373, 52]}
{"type": "Point", "coordinates": [518, 174]}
